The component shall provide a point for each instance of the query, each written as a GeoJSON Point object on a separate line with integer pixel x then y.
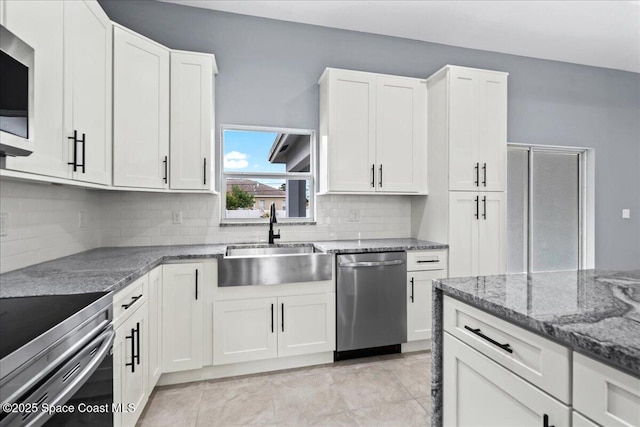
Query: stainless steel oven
{"type": "Point", "coordinates": [57, 362]}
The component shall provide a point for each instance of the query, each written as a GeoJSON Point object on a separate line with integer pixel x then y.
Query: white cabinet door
{"type": "Point", "coordinates": [419, 303]}
{"type": "Point", "coordinates": [400, 134]}
{"type": "Point", "coordinates": [244, 330]}
{"type": "Point", "coordinates": [306, 324]}
{"type": "Point", "coordinates": [479, 392]}
{"type": "Point", "coordinates": [464, 168]}
{"type": "Point", "coordinates": [352, 114]}
{"type": "Point", "coordinates": [140, 111]}
{"type": "Point", "coordinates": [129, 368]}
{"type": "Point", "coordinates": [192, 77]}
{"type": "Point", "coordinates": [477, 130]}
{"type": "Point", "coordinates": [492, 132]}
{"type": "Point", "coordinates": [463, 233]}
{"type": "Point", "coordinates": [40, 24]}
{"type": "Point", "coordinates": [155, 327]}
{"type": "Point", "coordinates": [87, 89]}
{"type": "Point", "coordinates": [182, 320]}
{"type": "Point", "coordinates": [492, 234]}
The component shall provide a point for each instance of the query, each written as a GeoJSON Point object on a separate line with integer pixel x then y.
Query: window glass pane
{"type": "Point", "coordinates": [555, 214]}
{"type": "Point", "coordinates": [517, 210]}
{"type": "Point", "coordinates": [252, 198]}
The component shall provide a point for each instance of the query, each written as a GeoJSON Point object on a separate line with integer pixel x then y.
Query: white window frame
{"type": "Point", "coordinates": [309, 176]}
{"type": "Point", "coordinates": [586, 197]}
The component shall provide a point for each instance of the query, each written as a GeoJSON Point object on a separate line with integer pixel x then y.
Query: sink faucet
{"type": "Point", "coordinates": [273, 220]}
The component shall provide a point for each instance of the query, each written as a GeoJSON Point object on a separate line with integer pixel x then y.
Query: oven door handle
{"type": "Point", "coordinates": [63, 396]}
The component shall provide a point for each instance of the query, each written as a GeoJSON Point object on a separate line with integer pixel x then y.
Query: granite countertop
{"type": "Point", "coordinates": [594, 312]}
{"type": "Point", "coordinates": [111, 269]}
{"type": "Point", "coordinates": [376, 245]}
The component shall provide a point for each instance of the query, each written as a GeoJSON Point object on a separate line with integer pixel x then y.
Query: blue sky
{"type": "Point", "coordinates": [248, 151]}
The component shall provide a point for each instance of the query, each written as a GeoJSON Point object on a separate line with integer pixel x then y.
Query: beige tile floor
{"type": "Point", "coordinates": [378, 391]}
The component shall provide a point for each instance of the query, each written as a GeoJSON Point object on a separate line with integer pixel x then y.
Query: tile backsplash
{"type": "Point", "coordinates": [43, 221]}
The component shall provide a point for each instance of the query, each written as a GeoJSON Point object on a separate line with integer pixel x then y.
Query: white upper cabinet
{"type": "Point", "coordinates": [477, 129]}
{"type": "Point", "coordinates": [40, 24]}
{"type": "Point", "coordinates": [141, 111]}
{"type": "Point", "coordinates": [73, 45]}
{"type": "Point", "coordinates": [87, 90]}
{"type": "Point", "coordinates": [372, 133]}
{"type": "Point", "coordinates": [192, 120]}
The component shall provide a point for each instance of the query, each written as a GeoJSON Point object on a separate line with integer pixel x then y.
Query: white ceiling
{"type": "Point", "coordinates": [599, 33]}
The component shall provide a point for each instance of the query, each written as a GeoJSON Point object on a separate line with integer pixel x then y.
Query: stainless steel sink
{"type": "Point", "coordinates": [251, 250]}
{"type": "Point", "coordinates": [261, 264]}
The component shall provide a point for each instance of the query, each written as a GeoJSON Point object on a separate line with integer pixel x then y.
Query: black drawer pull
{"type": "Point", "coordinates": [545, 421]}
{"type": "Point", "coordinates": [505, 347]}
{"type": "Point", "coordinates": [422, 261]}
{"type": "Point", "coordinates": [133, 299]}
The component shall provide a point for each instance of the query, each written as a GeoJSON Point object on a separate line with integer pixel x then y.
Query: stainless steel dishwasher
{"type": "Point", "coordinates": [371, 303]}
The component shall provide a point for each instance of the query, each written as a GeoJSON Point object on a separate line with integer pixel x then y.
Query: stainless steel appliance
{"type": "Point", "coordinates": [16, 95]}
{"type": "Point", "coordinates": [371, 302]}
{"type": "Point", "coordinates": [56, 361]}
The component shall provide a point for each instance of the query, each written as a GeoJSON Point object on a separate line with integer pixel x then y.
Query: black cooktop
{"type": "Point", "coordinates": [23, 319]}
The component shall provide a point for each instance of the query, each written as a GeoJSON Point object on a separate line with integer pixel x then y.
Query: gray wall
{"type": "Point", "coordinates": [269, 70]}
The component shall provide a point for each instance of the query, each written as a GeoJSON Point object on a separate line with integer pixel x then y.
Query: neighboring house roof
{"type": "Point", "coordinates": [255, 188]}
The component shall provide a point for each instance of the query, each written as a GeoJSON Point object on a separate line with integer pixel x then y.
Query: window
{"type": "Point", "coordinates": [549, 208]}
{"type": "Point", "coordinates": [265, 166]}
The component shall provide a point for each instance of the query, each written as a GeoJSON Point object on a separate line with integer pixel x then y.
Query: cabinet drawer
{"type": "Point", "coordinates": [534, 358]}
{"type": "Point", "coordinates": [127, 300]}
{"type": "Point", "coordinates": [604, 394]}
{"type": "Point", "coordinates": [426, 260]}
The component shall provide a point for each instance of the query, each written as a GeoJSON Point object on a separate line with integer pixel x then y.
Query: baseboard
{"type": "Point", "coordinates": [245, 368]}
{"type": "Point", "coordinates": [421, 345]}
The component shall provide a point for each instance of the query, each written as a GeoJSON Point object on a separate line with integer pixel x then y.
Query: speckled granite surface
{"type": "Point", "coordinates": [595, 312]}
{"type": "Point", "coordinates": [111, 269]}
{"type": "Point", "coordinates": [97, 270]}
{"type": "Point", "coordinates": [376, 245]}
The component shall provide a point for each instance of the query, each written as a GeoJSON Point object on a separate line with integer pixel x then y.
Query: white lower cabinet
{"type": "Point", "coordinates": [422, 268]}
{"type": "Point", "coordinates": [182, 320]}
{"type": "Point", "coordinates": [307, 324]}
{"type": "Point", "coordinates": [264, 328]}
{"type": "Point", "coordinates": [479, 392]}
{"type": "Point", "coordinates": [605, 394]}
{"type": "Point", "coordinates": [130, 385]}
{"type": "Point", "coordinates": [155, 326]}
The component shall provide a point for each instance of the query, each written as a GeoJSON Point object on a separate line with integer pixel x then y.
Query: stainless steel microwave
{"type": "Point", "coordinates": [17, 60]}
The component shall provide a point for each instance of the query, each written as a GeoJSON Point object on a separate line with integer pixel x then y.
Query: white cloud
{"type": "Point", "coordinates": [235, 160]}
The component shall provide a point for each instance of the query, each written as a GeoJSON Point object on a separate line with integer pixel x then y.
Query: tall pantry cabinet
{"type": "Point", "coordinates": [467, 164]}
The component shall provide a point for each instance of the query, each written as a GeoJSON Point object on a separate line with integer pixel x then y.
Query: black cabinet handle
{"type": "Point", "coordinates": [422, 261]}
{"type": "Point", "coordinates": [282, 309]}
{"type": "Point", "coordinates": [166, 175]}
{"type": "Point", "coordinates": [84, 149]}
{"type": "Point", "coordinates": [133, 299]}
{"type": "Point", "coordinates": [196, 283]}
{"type": "Point", "coordinates": [412, 290]}
{"type": "Point", "coordinates": [477, 331]}
{"type": "Point", "coordinates": [484, 171]}
{"type": "Point", "coordinates": [477, 207]}
{"type": "Point", "coordinates": [373, 175]}
{"type": "Point", "coordinates": [205, 172]}
{"type": "Point", "coordinates": [477, 181]}
{"type": "Point", "coordinates": [380, 170]}
{"type": "Point", "coordinates": [133, 351]}
{"type": "Point", "coordinates": [75, 150]}
{"type": "Point", "coordinates": [271, 318]}
{"type": "Point", "coordinates": [137, 356]}
{"type": "Point", "coordinates": [484, 207]}
{"type": "Point", "coordinates": [545, 421]}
